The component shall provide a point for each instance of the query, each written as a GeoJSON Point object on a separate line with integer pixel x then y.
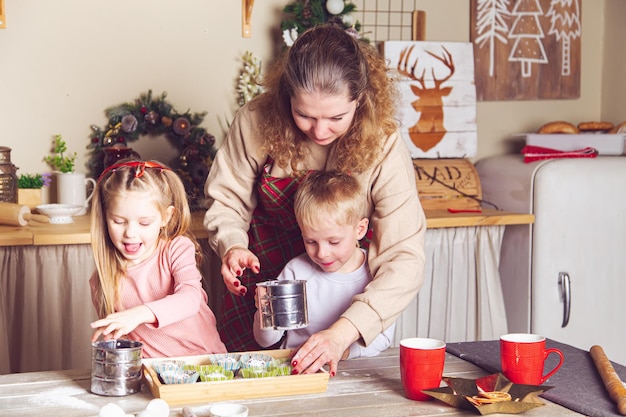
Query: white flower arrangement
{"type": "Point", "coordinates": [248, 86]}
{"type": "Point", "coordinates": [290, 36]}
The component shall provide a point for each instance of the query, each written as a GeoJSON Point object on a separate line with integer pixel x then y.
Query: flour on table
{"type": "Point", "coordinates": [62, 397]}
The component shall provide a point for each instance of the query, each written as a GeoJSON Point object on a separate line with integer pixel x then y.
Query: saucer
{"type": "Point", "coordinates": [59, 213]}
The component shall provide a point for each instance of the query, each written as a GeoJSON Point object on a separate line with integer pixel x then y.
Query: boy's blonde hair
{"type": "Point", "coordinates": [329, 195]}
{"type": "Point", "coordinates": [158, 182]}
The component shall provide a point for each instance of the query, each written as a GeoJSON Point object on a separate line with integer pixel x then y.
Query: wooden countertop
{"type": "Point", "coordinates": [36, 233]}
{"type": "Point", "coordinates": [362, 387]}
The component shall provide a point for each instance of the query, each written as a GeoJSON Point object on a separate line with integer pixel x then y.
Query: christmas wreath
{"type": "Point", "coordinates": [305, 14]}
{"type": "Point", "coordinates": [148, 115]}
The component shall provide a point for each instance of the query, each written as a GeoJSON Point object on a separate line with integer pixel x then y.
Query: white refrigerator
{"type": "Point", "coordinates": [564, 276]}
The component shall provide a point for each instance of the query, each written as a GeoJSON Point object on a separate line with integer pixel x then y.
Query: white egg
{"type": "Point", "coordinates": [112, 410]}
{"type": "Point", "coordinates": [158, 407]}
{"type": "Point", "coordinates": [147, 413]}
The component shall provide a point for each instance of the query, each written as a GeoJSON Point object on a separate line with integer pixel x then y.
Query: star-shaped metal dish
{"type": "Point", "coordinates": [523, 397]}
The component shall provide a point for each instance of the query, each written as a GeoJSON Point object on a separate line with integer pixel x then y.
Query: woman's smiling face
{"type": "Point", "coordinates": [322, 117]}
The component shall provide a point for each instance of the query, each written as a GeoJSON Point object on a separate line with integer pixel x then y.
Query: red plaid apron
{"type": "Point", "coordinates": [275, 238]}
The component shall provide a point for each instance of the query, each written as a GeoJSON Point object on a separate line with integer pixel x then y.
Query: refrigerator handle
{"type": "Point", "coordinates": [566, 296]}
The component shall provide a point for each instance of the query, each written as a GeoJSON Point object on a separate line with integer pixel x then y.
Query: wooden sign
{"type": "Point", "coordinates": [526, 49]}
{"type": "Point", "coordinates": [438, 97]}
{"type": "Point", "coordinates": [447, 184]}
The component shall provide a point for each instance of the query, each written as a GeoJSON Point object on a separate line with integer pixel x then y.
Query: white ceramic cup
{"type": "Point", "coordinates": [72, 189]}
{"type": "Point", "coordinates": [229, 410]}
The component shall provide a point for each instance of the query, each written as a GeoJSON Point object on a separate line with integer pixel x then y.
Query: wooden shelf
{"type": "Point", "coordinates": [442, 218]}
{"type": "Point", "coordinates": [78, 232]}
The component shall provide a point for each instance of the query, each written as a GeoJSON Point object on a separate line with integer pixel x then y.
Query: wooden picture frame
{"type": "Point", "coordinates": [526, 49]}
{"type": "Point", "coordinates": [437, 111]}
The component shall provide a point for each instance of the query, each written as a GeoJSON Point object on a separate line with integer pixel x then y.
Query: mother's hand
{"type": "Point", "coordinates": [234, 262]}
{"type": "Point", "coordinates": [327, 347]}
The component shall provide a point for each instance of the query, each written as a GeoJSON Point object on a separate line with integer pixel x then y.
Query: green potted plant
{"type": "Point", "coordinates": [59, 161]}
{"type": "Point", "coordinates": [29, 187]}
{"type": "Point", "coordinates": [71, 185]}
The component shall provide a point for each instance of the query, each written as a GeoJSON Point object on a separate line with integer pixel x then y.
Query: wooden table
{"type": "Point", "coordinates": [366, 387]}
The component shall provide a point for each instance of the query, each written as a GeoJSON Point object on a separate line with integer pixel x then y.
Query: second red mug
{"type": "Point", "coordinates": [522, 357]}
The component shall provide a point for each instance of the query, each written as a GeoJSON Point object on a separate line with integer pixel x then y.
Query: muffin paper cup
{"type": "Point", "coordinates": [228, 361]}
{"type": "Point", "coordinates": [179, 376]}
{"type": "Point", "coordinates": [167, 365]}
{"type": "Point", "coordinates": [255, 360]}
{"type": "Point", "coordinates": [216, 374]}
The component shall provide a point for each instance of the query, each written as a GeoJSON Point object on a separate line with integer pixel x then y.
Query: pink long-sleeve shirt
{"type": "Point", "coordinates": [170, 285]}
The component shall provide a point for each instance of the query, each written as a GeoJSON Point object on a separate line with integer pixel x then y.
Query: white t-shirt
{"type": "Point", "coordinates": [329, 294]}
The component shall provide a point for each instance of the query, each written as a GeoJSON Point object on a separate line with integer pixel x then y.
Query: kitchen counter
{"type": "Point", "coordinates": [78, 232]}
{"type": "Point", "coordinates": [45, 299]}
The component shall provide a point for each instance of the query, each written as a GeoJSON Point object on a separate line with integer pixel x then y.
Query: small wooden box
{"type": "Point", "coordinates": [30, 197]}
{"type": "Point", "coordinates": [235, 389]}
{"type": "Point", "coordinates": [447, 183]}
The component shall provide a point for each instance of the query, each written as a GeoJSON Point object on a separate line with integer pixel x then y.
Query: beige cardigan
{"type": "Point", "coordinates": [396, 253]}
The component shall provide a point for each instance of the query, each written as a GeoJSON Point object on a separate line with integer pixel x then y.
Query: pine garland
{"type": "Point", "coordinates": [155, 116]}
{"type": "Point", "coordinates": [305, 14]}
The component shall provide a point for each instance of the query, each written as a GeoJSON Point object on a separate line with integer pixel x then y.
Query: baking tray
{"type": "Point", "coordinates": [235, 389]}
{"type": "Point", "coordinates": [604, 143]}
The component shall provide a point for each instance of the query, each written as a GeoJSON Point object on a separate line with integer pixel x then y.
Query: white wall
{"type": "Point", "coordinates": [63, 62]}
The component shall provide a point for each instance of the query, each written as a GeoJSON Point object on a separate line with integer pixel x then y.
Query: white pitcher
{"type": "Point", "coordinates": [72, 189]}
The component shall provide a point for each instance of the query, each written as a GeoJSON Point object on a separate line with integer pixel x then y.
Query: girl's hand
{"type": "Point", "coordinates": [234, 262]}
{"type": "Point", "coordinates": [327, 347]}
{"type": "Point", "coordinates": [119, 324]}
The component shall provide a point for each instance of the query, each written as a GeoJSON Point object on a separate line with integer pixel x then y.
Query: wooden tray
{"type": "Point", "coordinates": [236, 389]}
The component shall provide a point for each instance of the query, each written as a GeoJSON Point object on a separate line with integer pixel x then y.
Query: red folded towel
{"type": "Point", "coordinates": [538, 153]}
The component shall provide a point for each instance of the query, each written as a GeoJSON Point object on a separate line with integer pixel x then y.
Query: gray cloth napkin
{"type": "Point", "coordinates": [577, 385]}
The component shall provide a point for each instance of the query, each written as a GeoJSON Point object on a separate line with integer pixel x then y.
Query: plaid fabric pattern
{"type": "Point", "coordinates": [275, 238]}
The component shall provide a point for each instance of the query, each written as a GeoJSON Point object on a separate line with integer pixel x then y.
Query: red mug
{"type": "Point", "coordinates": [522, 357]}
{"type": "Point", "coordinates": [421, 366]}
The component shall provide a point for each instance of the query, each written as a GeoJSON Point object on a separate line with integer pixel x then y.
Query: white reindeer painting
{"type": "Point", "coordinates": [438, 97]}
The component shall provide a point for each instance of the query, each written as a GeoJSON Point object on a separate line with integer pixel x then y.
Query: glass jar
{"type": "Point", "coordinates": [8, 177]}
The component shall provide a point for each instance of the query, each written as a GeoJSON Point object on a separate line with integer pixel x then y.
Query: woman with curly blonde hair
{"type": "Point", "coordinates": [328, 104]}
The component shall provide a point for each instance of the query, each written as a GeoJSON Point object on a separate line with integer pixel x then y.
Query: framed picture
{"type": "Point", "coordinates": [438, 97]}
{"type": "Point", "coordinates": [526, 49]}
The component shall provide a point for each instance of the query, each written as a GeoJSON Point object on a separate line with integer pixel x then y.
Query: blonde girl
{"type": "Point", "coordinates": [147, 286]}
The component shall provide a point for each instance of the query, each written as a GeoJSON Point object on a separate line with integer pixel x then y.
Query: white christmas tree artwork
{"type": "Point", "coordinates": [565, 25]}
{"type": "Point", "coordinates": [526, 49]}
{"type": "Point", "coordinates": [492, 26]}
{"type": "Point", "coordinates": [527, 33]}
